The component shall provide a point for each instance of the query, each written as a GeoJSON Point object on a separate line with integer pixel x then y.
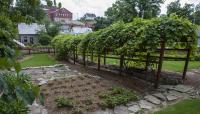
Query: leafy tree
{"type": "Point", "coordinates": [126, 10]}
{"type": "Point", "coordinates": [101, 22]}
{"type": "Point", "coordinates": [54, 3]}
{"type": "Point", "coordinates": [49, 3]}
{"type": "Point", "coordinates": [25, 8]}
{"type": "Point", "coordinates": [59, 5]}
{"type": "Point", "coordinates": [187, 11]}
{"type": "Point", "coordinates": [196, 15]}
{"type": "Point", "coordinates": [52, 28]}
{"type": "Point", "coordinates": [44, 38]}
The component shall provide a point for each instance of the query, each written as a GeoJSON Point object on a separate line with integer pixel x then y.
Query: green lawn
{"type": "Point", "coordinates": [184, 107]}
{"type": "Point", "coordinates": [178, 66]}
{"type": "Point", "coordinates": [39, 60]}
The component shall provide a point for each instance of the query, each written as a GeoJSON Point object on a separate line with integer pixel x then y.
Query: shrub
{"type": "Point", "coordinates": [117, 96]}
{"type": "Point", "coordinates": [44, 38]}
{"type": "Point", "coordinates": [63, 102]}
{"type": "Point", "coordinates": [17, 92]}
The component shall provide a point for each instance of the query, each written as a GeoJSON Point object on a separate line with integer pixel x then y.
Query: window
{"type": "Point", "coordinates": [25, 39]}
{"type": "Point", "coordinates": [31, 40]}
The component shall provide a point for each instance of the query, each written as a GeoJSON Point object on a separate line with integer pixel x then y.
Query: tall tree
{"type": "Point", "coordinates": [25, 8]}
{"type": "Point", "coordinates": [126, 10]}
{"type": "Point", "coordinates": [59, 5]}
{"type": "Point", "coordinates": [186, 11]}
{"type": "Point", "coordinates": [54, 3]}
{"type": "Point", "coordinates": [196, 15]}
{"type": "Point", "coordinates": [101, 22]}
{"type": "Point", "coordinates": [49, 3]}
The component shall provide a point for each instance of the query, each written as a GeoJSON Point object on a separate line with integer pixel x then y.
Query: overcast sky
{"type": "Point", "coordinates": [98, 7]}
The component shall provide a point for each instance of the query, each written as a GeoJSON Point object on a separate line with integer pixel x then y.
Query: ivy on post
{"type": "Point", "coordinates": [99, 60]}
{"type": "Point", "coordinates": [121, 64]}
{"type": "Point", "coordinates": [186, 63]}
{"type": "Point", "coordinates": [162, 52]}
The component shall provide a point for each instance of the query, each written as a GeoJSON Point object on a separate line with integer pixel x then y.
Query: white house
{"type": "Point", "coordinates": [81, 30]}
{"type": "Point", "coordinates": [28, 33]}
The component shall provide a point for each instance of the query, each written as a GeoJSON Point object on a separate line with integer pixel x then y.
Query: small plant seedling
{"type": "Point", "coordinates": [62, 102]}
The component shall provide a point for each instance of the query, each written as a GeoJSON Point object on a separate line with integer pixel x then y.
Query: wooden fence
{"type": "Point", "coordinates": [37, 50]}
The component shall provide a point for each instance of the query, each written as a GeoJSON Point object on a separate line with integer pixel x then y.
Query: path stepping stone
{"type": "Point", "coordinates": [134, 109]}
{"type": "Point", "coordinates": [171, 97]}
{"type": "Point", "coordinates": [121, 110]}
{"type": "Point", "coordinates": [152, 99]}
{"type": "Point", "coordinates": [182, 88]}
{"type": "Point", "coordinates": [107, 111]}
{"type": "Point", "coordinates": [146, 105]}
{"type": "Point", "coordinates": [160, 96]}
{"type": "Point", "coordinates": [131, 104]}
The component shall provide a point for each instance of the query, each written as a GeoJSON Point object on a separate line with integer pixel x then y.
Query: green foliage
{"type": "Point", "coordinates": [138, 37]}
{"type": "Point", "coordinates": [52, 28]}
{"type": "Point", "coordinates": [31, 8]}
{"type": "Point", "coordinates": [62, 102]}
{"type": "Point", "coordinates": [126, 10]}
{"type": "Point", "coordinates": [13, 107]}
{"type": "Point", "coordinates": [101, 23]}
{"type": "Point", "coordinates": [189, 11]}
{"type": "Point", "coordinates": [117, 96]}
{"type": "Point", "coordinates": [44, 38]}
{"type": "Point", "coordinates": [65, 44]}
{"type": "Point", "coordinates": [17, 93]}
{"type": "Point", "coordinates": [7, 53]}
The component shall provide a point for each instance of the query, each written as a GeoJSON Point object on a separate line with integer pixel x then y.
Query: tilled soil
{"type": "Point", "coordinates": [83, 90]}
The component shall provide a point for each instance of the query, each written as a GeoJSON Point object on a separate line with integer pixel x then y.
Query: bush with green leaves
{"type": "Point", "coordinates": [44, 38]}
{"type": "Point", "coordinates": [117, 96]}
{"type": "Point", "coordinates": [62, 102]}
{"type": "Point", "coordinates": [17, 91]}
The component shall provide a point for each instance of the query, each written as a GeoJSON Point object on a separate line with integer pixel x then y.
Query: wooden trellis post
{"type": "Point", "coordinates": [92, 54]}
{"type": "Point", "coordinates": [29, 51]}
{"type": "Point", "coordinates": [99, 60]}
{"type": "Point", "coordinates": [84, 63]}
{"type": "Point", "coordinates": [121, 64]}
{"type": "Point", "coordinates": [186, 63]}
{"type": "Point", "coordinates": [104, 58]}
{"type": "Point", "coordinates": [74, 53]}
{"type": "Point", "coordinates": [147, 61]}
{"type": "Point", "coordinates": [162, 52]}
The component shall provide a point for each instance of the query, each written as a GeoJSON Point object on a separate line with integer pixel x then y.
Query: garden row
{"type": "Point", "coordinates": [141, 41]}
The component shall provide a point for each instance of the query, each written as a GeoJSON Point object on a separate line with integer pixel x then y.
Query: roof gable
{"type": "Point", "coordinates": [29, 29]}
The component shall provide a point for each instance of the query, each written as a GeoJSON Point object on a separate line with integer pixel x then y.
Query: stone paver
{"type": "Point", "coordinates": [182, 88]}
{"type": "Point", "coordinates": [146, 105]}
{"type": "Point", "coordinates": [171, 97]}
{"type": "Point", "coordinates": [107, 111]}
{"type": "Point", "coordinates": [134, 109]}
{"type": "Point", "coordinates": [121, 110]}
{"type": "Point", "coordinates": [160, 96]}
{"type": "Point", "coordinates": [152, 99]}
